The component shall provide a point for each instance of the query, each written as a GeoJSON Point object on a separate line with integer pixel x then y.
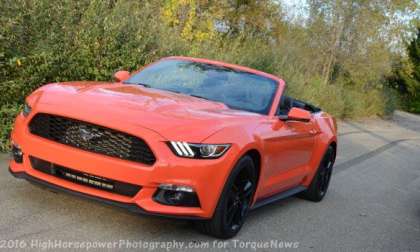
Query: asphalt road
{"type": "Point", "coordinates": [373, 204]}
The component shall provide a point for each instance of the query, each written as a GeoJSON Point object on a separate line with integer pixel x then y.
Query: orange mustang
{"type": "Point", "coordinates": [183, 137]}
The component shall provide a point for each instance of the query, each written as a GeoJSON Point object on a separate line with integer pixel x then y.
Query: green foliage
{"type": "Point", "coordinates": [406, 76]}
{"type": "Point", "coordinates": [413, 106]}
{"type": "Point", "coordinates": [43, 41]}
{"type": "Point", "coordinates": [7, 115]}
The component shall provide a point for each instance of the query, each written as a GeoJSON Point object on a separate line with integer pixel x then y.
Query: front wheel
{"type": "Point", "coordinates": [234, 202]}
{"type": "Point", "coordinates": [319, 185]}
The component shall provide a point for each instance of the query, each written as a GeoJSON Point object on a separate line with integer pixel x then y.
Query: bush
{"type": "Point", "coordinates": [412, 105]}
{"type": "Point", "coordinates": [7, 115]}
{"type": "Point", "coordinates": [44, 41]}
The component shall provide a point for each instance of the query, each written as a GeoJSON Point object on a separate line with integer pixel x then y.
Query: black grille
{"type": "Point", "coordinates": [91, 137]}
{"type": "Point", "coordinates": [84, 178]}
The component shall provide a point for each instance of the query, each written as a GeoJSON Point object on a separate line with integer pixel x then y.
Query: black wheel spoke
{"type": "Point", "coordinates": [231, 216]}
{"type": "Point", "coordinates": [230, 208]}
{"type": "Point", "coordinates": [247, 190]}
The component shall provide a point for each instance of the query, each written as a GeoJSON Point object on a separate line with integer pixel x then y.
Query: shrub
{"type": "Point", "coordinates": [43, 41]}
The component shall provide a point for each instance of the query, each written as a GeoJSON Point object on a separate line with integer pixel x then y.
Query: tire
{"type": "Point", "coordinates": [224, 224]}
{"type": "Point", "coordinates": [319, 185]}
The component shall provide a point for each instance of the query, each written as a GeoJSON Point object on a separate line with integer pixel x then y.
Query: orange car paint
{"type": "Point", "coordinates": [290, 151]}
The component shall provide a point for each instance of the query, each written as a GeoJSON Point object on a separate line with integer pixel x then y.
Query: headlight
{"type": "Point", "coordinates": [26, 110]}
{"type": "Point", "coordinates": [190, 150]}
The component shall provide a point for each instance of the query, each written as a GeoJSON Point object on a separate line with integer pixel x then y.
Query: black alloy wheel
{"type": "Point", "coordinates": [239, 200]}
{"type": "Point", "coordinates": [235, 201]}
{"type": "Point", "coordinates": [324, 175]}
{"type": "Point", "coordinates": [319, 185]}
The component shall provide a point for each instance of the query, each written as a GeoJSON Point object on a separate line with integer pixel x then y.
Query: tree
{"type": "Point", "coordinates": [413, 80]}
{"type": "Point", "coordinates": [406, 77]}
{"type": "Point", "coordinates": [353, 38]}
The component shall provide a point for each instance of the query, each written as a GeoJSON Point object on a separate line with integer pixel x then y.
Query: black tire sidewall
{"type": "Point", "coordinates": [245, 162]}
{"type": "Point", "coordinates": [319, 195]}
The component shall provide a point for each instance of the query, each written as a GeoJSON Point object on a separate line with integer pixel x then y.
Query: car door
{"type": "Point", "coordinates": [288, 146]}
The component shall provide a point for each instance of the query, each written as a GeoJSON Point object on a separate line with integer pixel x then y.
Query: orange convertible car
{"type": "Point", "coordinates": [183, 137]}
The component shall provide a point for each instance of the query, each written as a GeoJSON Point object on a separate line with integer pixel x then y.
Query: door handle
{"type": "Point", "coordinates": [312, 132]}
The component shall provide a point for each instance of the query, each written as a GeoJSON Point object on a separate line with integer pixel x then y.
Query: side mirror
{"type": "Point", "coordinates": [297, 114]}
{"type": "Point", "coordinates": [121, 76]}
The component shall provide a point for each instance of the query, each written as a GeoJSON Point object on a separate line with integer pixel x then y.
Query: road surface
{"type": "Point", "coordinates": [373, 204]}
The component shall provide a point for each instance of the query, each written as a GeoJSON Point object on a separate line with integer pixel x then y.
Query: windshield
{"type": "Point", "coordinates": [236, 89]}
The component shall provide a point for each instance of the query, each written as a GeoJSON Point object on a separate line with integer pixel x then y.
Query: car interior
{"type": "Point", "coordinates": [287, 103]}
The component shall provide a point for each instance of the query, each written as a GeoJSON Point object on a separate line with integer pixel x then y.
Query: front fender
{"type": "Point", "coordinates": [242, 140]}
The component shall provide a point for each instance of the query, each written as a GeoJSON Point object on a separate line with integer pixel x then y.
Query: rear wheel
{"type": "Point", "coordinates": [234, 202]}
{"type": "Point", "coordinates": [319, 185]}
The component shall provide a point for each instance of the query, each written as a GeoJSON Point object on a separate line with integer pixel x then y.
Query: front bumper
{"type": "Point", "coordinates": [127, 206]}
{"type": "Point", "coordinates": [207, 177]}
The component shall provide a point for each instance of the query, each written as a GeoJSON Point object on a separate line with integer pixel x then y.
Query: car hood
{"type": "Point", "coordinates": [173, 116]}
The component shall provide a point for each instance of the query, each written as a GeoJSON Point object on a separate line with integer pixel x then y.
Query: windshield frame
{"type": "Point", "coordinates": [271, 105]}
